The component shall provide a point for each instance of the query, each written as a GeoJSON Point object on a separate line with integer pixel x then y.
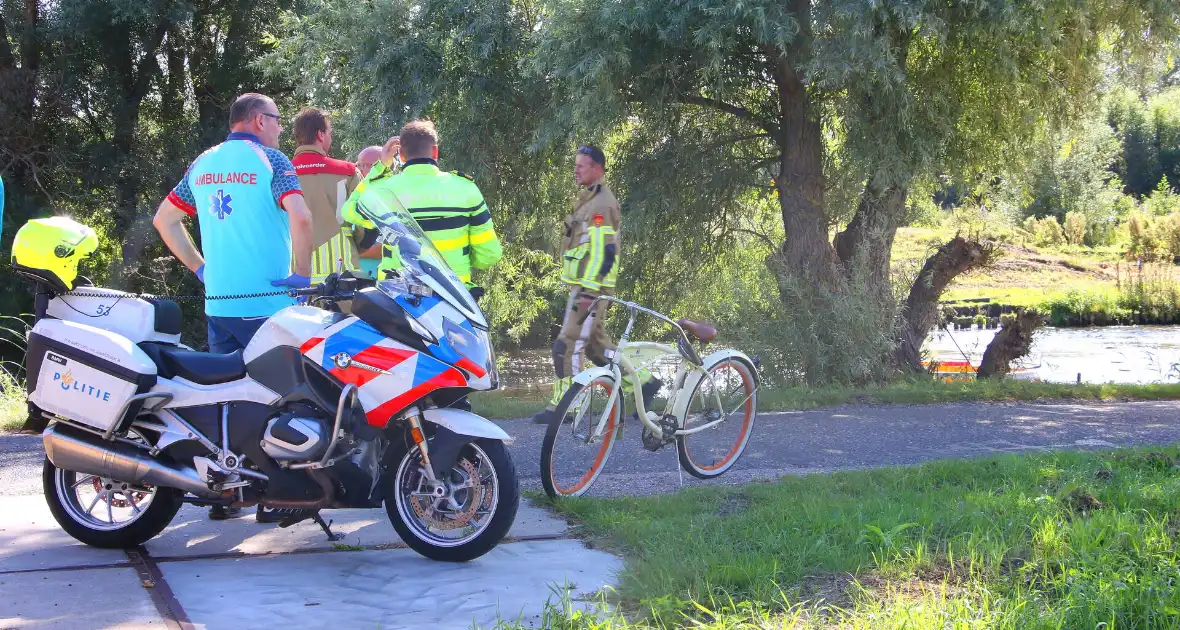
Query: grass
{"type": "Point", "coordinates": [1062, 540]}
{"type": "Point", "coordinates": [13, 411]}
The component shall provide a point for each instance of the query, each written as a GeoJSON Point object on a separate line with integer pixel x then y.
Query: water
{"type": "Point", "coordinates": [1106, 354]}
{"type": "Point", "coordinates": [527, 373]}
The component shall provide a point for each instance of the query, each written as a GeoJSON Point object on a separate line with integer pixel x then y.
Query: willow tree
{"type": "Point", "coordinates": [381, 63]}
{"type": "Point", "coordinates": [815, 95]}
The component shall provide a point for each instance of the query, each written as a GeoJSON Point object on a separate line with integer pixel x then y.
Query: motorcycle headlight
{"type": "Point", "coordinates": [468, 345]}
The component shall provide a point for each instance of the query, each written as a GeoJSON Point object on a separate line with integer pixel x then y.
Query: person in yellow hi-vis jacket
{"type": "Point", "coordinates": [590, 263]}
{"type": "Point", "coordinates": [449, 206]}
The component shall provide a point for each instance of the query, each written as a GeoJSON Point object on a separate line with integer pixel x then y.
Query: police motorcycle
{"type": "Point", "coordinates": [325, 408]}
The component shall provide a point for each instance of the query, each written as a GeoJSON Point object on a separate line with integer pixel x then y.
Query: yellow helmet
{"type": "Point", "coordinates": [50, 249]}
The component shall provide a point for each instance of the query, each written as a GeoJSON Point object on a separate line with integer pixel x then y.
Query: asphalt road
{"type": "Point", "coordinates": [809, 441]}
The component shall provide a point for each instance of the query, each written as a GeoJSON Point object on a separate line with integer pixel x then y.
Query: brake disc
{"type": "Point", "coordinates": [441, 516]}
{"type": "Point", "coordinates": [100, 486]}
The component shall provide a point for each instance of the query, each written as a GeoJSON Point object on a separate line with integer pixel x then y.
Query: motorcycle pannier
{"type": "Point", "coordinates": [86, 374]}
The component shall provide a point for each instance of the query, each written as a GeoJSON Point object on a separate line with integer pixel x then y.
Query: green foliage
{"type": "Point", "coordinates": [1154, 237]}
{"type": "Point", "coordinates": [701, 105]}
{"type": "Point", "coordinates": [522, 290]}
{"type": "Point", "coordinates": [1149, 131]}
{"type": "Point", "coordinates": [1150, 295]}
{"type": "Point", "coordinates": [1045, 231]}
{"type": "Point", "coordinates": [104, 103]}
{"type": "Point", "coordinates": [1085, 308]}
{"type": "Point", "coordinates": [1070, 177]}
{"type": "Point", "coordinates": [1075, 227]}
{"type": "Point", "coordinates": [1162, 201]}
{"type": "Point", "coordinates": [845, 336]}
{"type": "Point", "coordinates": [461, 67]}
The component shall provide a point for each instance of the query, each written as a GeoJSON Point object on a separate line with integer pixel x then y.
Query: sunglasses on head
{"type": "Point", "coordinates": [594, 155]}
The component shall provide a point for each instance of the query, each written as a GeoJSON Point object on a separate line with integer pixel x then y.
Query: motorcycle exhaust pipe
{"type": "Point", "coordinates": [78, 451]}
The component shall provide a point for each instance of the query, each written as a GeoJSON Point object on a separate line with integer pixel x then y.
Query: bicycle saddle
{"type": "Point", "coordinates": [701, 330]}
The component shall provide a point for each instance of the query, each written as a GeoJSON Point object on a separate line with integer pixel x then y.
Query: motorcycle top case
{"type": "Point", "coordinates": [84, 373]}
{"type": "Point", "coordinates": [132, 317]}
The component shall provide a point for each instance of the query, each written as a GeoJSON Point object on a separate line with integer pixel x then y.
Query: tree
{"type": "Point", "coordinates": [804, 94]}
{"type": "Point", "coordinates": [1149, 131]}
{"type": "Point", "coordinates": [460, 64]}
{"type": "Point", "coordinates": [105, 103]}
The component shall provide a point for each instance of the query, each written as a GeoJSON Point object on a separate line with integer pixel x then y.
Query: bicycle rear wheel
{"type": "Point", "coordinates": [712, 451]}
{"type": "Point", "coordinates": [580, 437]}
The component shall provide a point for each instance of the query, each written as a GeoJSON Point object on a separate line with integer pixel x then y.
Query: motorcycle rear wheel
{"type": "Point", "coordinates": [145, 519]}
{"type": "Point", "coordinates": [479, 513]}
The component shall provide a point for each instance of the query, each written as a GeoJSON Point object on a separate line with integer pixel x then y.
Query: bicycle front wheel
{"type": "Point", "coordinates": [727, 404]}
{"type": "Point", "coordinates": [580, 437]}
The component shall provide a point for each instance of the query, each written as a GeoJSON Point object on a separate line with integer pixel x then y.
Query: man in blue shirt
{"type": "Point", "coordinates": [246, 198]}
{"type": "Point", "coordinates": [248, 205]}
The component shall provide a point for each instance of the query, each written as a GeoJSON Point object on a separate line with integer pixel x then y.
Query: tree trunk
{"type": "Point", "coordinates": [870, 233]}
{"type": "Point", "coordinates": [137, 74]}
{"type": "Point", "coordinates": [920, 312]}
{"type": "Point", "coordinates": [1012, 342]}
{"type": "Point", "coordinates": [30, 52]}
{"type": "Point", "coordinates": [806, 251]}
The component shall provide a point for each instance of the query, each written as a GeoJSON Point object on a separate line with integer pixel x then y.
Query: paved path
{"type": "Point", "coordinates": [808, 441]}
{"type": "Point", "coordinates": [200, 574]}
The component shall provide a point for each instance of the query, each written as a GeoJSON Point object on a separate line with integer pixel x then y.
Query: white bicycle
{"type": "Point", "coordinates": [709, 413]}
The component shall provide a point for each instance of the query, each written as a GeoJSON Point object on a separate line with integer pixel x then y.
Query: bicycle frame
{"type": "Point", "coordinates": [619, 365]}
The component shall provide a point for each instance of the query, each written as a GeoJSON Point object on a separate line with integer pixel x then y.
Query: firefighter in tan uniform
{"type": "Point", "coordinates": [327, 184]}
{"type": "Point", "coordinates": [591, 248]}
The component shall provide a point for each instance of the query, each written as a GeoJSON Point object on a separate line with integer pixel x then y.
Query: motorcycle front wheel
{"type": "Point", "coordinates": [465, 517]}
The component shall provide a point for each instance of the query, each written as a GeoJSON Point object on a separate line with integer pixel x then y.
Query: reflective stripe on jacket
{"type": "Point", "coordinates": [449, 207]}
{"type": "Point", "coordinates": [592, 244]}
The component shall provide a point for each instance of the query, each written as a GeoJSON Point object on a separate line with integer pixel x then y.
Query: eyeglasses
{"type": "Point", "coordinates": [275, 116]}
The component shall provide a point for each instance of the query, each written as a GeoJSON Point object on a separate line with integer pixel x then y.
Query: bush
{"type": "Point", "coordinates": [981, 224]}
{"type": "Point", "coordinates": [1075, 227]}
{"type": "Point", "coordinates": [824, 337]}
{"type": "Point", "coordinates": [1162, 201]}
{"type": "Point", "coordinates": [1046, 231]}
{"type": "Point", "coordinates": [1151, 293]}
{"type": "Point", "coordinates": [1153, 238]}
{"type": "Point", "coordinates": [1085, 308]}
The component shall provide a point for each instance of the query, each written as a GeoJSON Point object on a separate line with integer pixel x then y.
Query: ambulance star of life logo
{"type": "Point", "coordinates": [220, 204]}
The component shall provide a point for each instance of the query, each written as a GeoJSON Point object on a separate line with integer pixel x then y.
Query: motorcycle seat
{"type": "Point", "coordinates": [203, 368]}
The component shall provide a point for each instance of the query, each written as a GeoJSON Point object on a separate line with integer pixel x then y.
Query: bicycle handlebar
{"type": "Point", "coordinates": [637, 307]}
{"type": "Point", "coordinates": [632, 306]}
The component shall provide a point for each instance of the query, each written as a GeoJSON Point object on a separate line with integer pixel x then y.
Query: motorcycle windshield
{"type": "Point", "coordinates": [414, 254]}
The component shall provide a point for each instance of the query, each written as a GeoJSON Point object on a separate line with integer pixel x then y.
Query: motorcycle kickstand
{"type": "Point", "coordinates": [327, 527]}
